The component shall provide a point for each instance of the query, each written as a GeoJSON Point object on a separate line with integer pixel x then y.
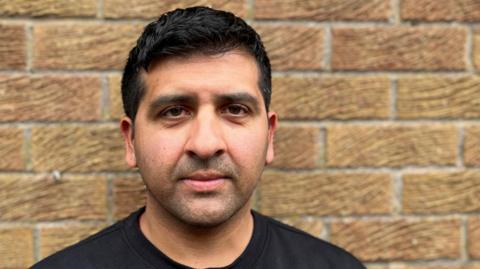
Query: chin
{"type": "Point", "coordinates": [206, 216]}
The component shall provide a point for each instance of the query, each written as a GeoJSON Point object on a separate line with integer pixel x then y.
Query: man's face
{"type": "Point", "coordinates": [202, 136]}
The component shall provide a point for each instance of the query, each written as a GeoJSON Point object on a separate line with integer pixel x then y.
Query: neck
{"type": "Point", "coordinates": [197, 247]}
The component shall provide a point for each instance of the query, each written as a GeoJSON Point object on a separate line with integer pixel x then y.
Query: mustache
{"type": "Point", "coordinates": [190, 165]}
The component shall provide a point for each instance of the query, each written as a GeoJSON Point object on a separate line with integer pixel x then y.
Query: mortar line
{"type": "Point", "coordinates": [464, 240]}
{"type": "Point", "coordinates": [395, 8]}
{"type": "Point", "coordinates": [393, 97]}
{"type": "Point", "coordinates": [110, 200]}
{"type": "Point", "coordinates": [322, 148]}
{"type": "Point", "coordinates": [327, 48]}
{"type": "Point", "coordinates": [29, 46]}
{"type": "Point", "coordinates": [105, 106]}
{"type": "Point", "coordinates": [250, 5]}
{"type": "Point", "coordinates": [397, 194]}
{"type": "Point", "coordinates": [36, 243]}
{"type": "Point", "coordinates": [461, 146]}
{"type": "Point", "coordinates": [469, 51]}
{"type": "Point", "coordinates": [27, 148]}
{"type": "Point", "coordinates": [100, 9]}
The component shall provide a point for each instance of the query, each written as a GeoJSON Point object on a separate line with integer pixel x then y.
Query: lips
{"type": "Point", "coordinates": [205, 181]}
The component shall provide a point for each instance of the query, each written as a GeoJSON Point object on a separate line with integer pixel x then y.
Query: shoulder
{"type": "Point", "coordinates": [84, 253]}
{"type": "Point", "coordinates": [306, 248]}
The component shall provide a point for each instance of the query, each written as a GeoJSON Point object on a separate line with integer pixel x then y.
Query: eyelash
{"type": "Point", "coordinates": [224, 110]}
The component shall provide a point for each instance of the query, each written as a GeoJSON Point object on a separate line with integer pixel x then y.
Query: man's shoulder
{"type": "Point", "coordinates": [305, 248]}
{"type": "Point", "coordinates": [84, 253]}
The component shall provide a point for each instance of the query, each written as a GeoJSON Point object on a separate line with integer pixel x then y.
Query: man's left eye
{"type": "Point", "coordinates": [235, 110]}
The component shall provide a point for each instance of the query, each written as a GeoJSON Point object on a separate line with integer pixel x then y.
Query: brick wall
{"type": "Point", "coordinates": [378, 148]}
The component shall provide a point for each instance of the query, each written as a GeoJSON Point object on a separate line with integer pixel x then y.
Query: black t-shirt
{"type": "Point", "coordinates": [273, 245]}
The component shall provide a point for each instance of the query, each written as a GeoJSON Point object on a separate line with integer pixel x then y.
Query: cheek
{"type": "Point", "coordinates": [156, 150]}
{"type": "Point", "coordinates": [248, 147]}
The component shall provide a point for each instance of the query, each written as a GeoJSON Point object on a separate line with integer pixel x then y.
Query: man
{"type": "Point", "coordinates": [196, 91]}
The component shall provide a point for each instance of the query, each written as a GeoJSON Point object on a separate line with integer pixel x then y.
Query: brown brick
{"type": "Point", "coordinates": [153, 9]}
{"type": "Point", "coordinates": [11, 142]}
{"type": "Point", "coordinates": [296, 147]}
{"type": "Point", "coordinates": [438, 97]}
{"type": "Point", "coordinates": [293, 47]}
{"type": "Point", "coordinates": [398, 48]}
{"type": "Point", "coordinates": [399, 239]}
{"type": "Point", "coordinates": [16, 247]}
{"type": "Point", "coordinates": [60, 8]}
{"type": "Point", "coordinates": [94, 148]}
{"type": "Point", "coordinates": [83, 45]}
{"type": "Point", "coordinates": [290, 194]}
{"type": "Point", "coordinates": [41, 198]}
{"type": "Point", "coordinates": [55, 237]}
{"type": "Point", "coordinates": [49, 98]}
{"type": "Point", "coordinates": [115, 97]}
{"type": "Point", "coordinates": [437, 266]}
{"type": "Point", "coordinates": [471, 146]}
{"type": "Point", "coordinates": [370, 10]}
{"type": "Point", "coordinates": [13, 48]}
{"type": "Point", "coordinates": [476, 48]}
{"type": "Point", "coordinates": [447, 10]}
{"type": "Point", "coordinates": [128, 195]}
{"type": "Point", "coordinates": [393, 146]}
{"type": "Point", "coordinates": [441, 192]}
{"type": "Point", "coordinates": [474, 237]}
{"type": "Point", "coordinates": [310, 225]}
{"type": "Point", "coordinates": [331, 97]}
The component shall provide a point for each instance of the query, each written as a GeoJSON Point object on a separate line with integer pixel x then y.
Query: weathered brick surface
{"type": "Point", "coordinates": [438, 97]}
{"type": "Point", "coordinates": [392, 146]}
{"type": "Point", "coordinates": [16, 247]}
{"type": "Point", "coordinates": [441, 192]}
{"type": "Point", "coordinates": [11, 143]}
{"type": "Point", "coordinates": [153, 8]}
{"type": "Point", "coordinates": [95, 148]}
{"type": "Point", "coordinates": [476, 48]}
{"type": "Point", "coordinates": [49, 98]}
{"type": "Point", "coordinates": [296, 147]}
{"type": "Point", "coordinates": [128, 195]}
{"type": "Point", "coordinates": [398, 48]}
{"type": "Point", "coordinates": [115, 97]}
{"type": "Point", "coordinates": [60, 8]}
{"type": "Point", "coordinates": [446, 10]}
{"type": "Point", "coordinates": [83, 45]}
{"type": "Point", "coordinates": [41, 198]}
{"type": "Point", "coordinates": [293, 47]}
{"type": "Point", "coordinates": [473, 237]}
{"type": "Point", "coordinates": [373, 240]}
{"type": "Point", "coordinates": [313, 226]}
{"type": "Point", "coordinates": [471, 146]}
{"type": "Point", "coordinates": [56, 237]}
{"type": "Point", "coordinates": [436, 266]}
{"type": "Point", "coordinates": [13, 48]}
{"type": "Point", "coordinates": [296, 97]}
{"type": "Point", "coordinates": [286, 194]}
{"type": "Point", "coordinates": [370, 10]}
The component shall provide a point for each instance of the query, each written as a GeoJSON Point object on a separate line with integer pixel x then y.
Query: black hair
{"type": "Point", "coordinates": [189, 31]}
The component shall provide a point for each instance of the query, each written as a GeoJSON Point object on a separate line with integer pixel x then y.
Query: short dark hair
{"type": "Point", "coordinates": [189, 31]}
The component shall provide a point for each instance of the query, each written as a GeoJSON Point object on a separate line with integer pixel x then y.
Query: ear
{"type": "Point", "coordinates": [272, 126]}
{"type": "Point", "coordinates": [127, 129]}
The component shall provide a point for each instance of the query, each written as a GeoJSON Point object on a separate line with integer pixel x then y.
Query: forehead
{"type": "Point", "coordinates": [200, 74]}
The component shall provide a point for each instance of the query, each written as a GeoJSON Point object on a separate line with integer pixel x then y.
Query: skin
{"type": "Point", "coordinates": [201, 139]}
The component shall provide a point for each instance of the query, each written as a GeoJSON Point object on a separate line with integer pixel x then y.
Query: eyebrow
{"type": "Point", "coordinates": [162, 101]}
{"type": "Point", "coordinates": [240, 97]}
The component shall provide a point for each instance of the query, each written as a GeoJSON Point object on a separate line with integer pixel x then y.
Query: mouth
{"type": "Point", "coordinates": [205, 181]}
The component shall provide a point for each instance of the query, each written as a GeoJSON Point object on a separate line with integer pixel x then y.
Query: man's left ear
{"type": "Point", "coordinates": [272, 126]}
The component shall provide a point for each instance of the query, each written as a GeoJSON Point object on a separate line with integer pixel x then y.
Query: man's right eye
{"type": "Point", "coordinates": [175, 112]}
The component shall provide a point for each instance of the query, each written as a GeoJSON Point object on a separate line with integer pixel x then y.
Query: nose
{"type": "Point", "coordinates": [206, 138]}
